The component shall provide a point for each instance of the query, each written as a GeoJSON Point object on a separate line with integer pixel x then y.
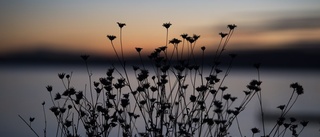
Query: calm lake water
{"type": "Point", "coordinates": [22, 90]}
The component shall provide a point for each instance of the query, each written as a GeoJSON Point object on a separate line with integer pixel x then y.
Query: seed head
{"type": "Point", "coordinates": [255, 130]}
{"type": "Point", "coordinates": [111, 37]}
{"type": "Point", "coordinates": [121, 25]}
{"type": "Point", "coordinates": [167, 25]}
{"type": "Point", "coordinates": [175, 41]}
{"type": "Point", "coordinates": [61, 75]}
{"type": "Point", "coordinates": [49, 88]}
{"type": "Point", "coordinates": [223, 34]}
{"type": "Point", "coordinates": [184, 36]}
{"type": "Point", "coordinates": [232, 26]}
{"type": "Point", "coordinates": [138, 49]}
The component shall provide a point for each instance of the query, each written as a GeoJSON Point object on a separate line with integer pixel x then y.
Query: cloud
{"type": "Point", "coordinates": [294, 23]}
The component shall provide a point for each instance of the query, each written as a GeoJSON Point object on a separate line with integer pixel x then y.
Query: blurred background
{"type": "Point", "coordinates": [39, 39]}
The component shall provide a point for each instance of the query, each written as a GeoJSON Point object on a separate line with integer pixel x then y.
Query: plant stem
{"type": "Point", "coordinates": [29, 125]}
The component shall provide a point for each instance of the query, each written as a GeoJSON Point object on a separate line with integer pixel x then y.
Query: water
{"type": "Point", "coordinates": [22, 90]}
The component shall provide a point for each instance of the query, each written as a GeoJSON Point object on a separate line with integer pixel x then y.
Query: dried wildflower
{"type": "Point", "coordinates": [110, 71]}
{"type": "Point", "coordinates": [61, 75]}
{"type": "Point", "coordinates": [126, 96]}
{"type": "Point", "coordinates": [138, 49]}
{"type": "Point", "coordinates": [218, 70]}
{"type": "Point", "coordinates": [201, 88]}
{"type": "Point", "coordinates": [218, 110]}
{"type": "Point", "coordinates": [247, 92]}
{"type": "Point", "coordinates": [31, 119]}
{"type": "Point", "coordinates": [304, 123]}
{"type": "Point", "coordinates": [213, 91]}
{"type": "Point", "coordinates": [281, 107]}
{"type": "Point", "coordinates": [195, 120]}
{"type": "Point", "coordinates": [57, 97]}
{"type": "Point", "coordinates": [124, 102]}
{"type": "Point", "coordinates": [292, 119]}
{"type": "Point", "coordinates": [67, 123]}
{"type": "Point", "coordinates": [79, 95]}
{"type": "Point", "coordinates": [297, 87]}
{"type": "Point", "coordinates": [96, 84]}
{"type": "Point", "coordinates": [175, 41]}
{"type": "Point", "coordinates": [49, 88]}
{"type": "Point", "coordinates": [299, 90]}
{"type": "Point", "coordinates": [223, 88]}
{"type": "Point", "coordinates": [223, 34]}
{"type": "Point", "coordinates": [203, 48]}
{"type": "Point", "coordinates": [232, 26]}
{"type": "Point", "coordinates": [255, 130]}
{"type": "Point", "coordinates": [142, 102]}
{"type": "Point", "coordinates": [111, 37]}
{"type": "Point", "coordinates": [190, 39]}
{"type": "Point", "coordinates": [153, 100]}
{"type": "Point", "coordinates": [184, 36]}
{"type": "Point", "coordinates": [121, 25]}
{"type": "Point", "coordinates": [233, 98]}
{"type": "Point", "coordinates": [193, 98]}
{"type": "Point", "coordinates": [85, 57]}
{"type": "Point", "coordinates": [218, 104]}
{"type": "Point", "coordinates": [98, 90]}
{"type": "Point", "coordinates": [62, 110]}
{"type": "Point", "coordinates": [166, 25]}
{"type": "Point", "coordinates": [196, 37]}
{"type": "Point", "coordinates": [163, 48]}
{"type": "Point", "coordinates": [226, 96]}
{"type": "Point", "coordinates": [286, 125]}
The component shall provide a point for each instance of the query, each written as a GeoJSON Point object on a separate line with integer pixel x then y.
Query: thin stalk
{"type": "Point", "coordinates": [238, 125]}
{"type": "Point", "coordinates": [121, 45]}
{"type": "Point", "coordinates": [45, 121]}
{"type": "Point", "coordinates": [29, 125]}
{"type": "Point", "coordinates": [90, 83]}
{"type": "Point", "coordinates": [261, 107]}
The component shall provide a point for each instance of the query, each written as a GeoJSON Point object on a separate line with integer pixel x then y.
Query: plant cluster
{"type": "Point", "coordinates": [172, 95]}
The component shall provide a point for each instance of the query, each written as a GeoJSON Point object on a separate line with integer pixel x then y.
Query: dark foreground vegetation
{"type": "Point", "coordinates": [169, 95]}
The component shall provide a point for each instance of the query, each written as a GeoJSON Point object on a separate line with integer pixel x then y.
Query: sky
{"type": "Point", "coordinates": [82, 26]}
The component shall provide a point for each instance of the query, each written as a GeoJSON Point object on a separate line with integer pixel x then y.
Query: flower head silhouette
{"type": "Point", "coordinates": [49, 88]}
{"type": "Point", "coordinates": [223, 34]}
{"type": "Point", "coordinates": [184, 35]}
{"type": "Point", "coordinates": [61, 75]}
{"type": "Point", "coordinates": [196, 37]}
{"type": "Point", "coordinates": [138, 49]}
{"type": "Point", "coordinates": [31, 119]}
{"type": "Point", "coordinates": [232, 26]}
{"type": "Point", "coordinates": [190, 39]}
{"type": "Point", "coordinates": [121, 25]}
{"type": "Point", "coordinates": [167, 25]}
{"type": "Point", "coordinates": [175, 41]}
{"type": "Point", "coordinates": [111, 37]}
{"type": "Point", "coordinates": [304, 123]}
{"type": "Point", "coordinates": [255, 130]}
{"type": "Point", "coordinates": [203, 48]}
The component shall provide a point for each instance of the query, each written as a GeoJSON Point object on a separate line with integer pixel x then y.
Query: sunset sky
{"type": "Point", "coordinates": [82, 26]}
{"type": "Point", "coordinates": [74, 28]}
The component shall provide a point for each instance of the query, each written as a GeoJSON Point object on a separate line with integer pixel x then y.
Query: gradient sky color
{"type": "Point", "coordinates": [82, 26]}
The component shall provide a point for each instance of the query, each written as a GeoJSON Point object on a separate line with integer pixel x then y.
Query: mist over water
{"type": "Point", "coordinates": [22, 90]}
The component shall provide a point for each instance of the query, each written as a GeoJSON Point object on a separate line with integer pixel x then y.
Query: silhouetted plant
{"type": "Point", "coordinates": [173, 96]}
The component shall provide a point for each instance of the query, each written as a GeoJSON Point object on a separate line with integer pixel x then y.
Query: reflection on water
{"type": "Point", "coordinates": [22, 90]}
